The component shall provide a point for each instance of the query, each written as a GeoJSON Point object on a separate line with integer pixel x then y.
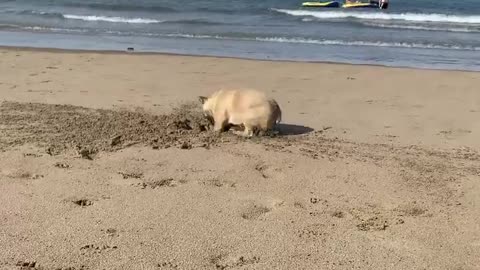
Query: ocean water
{"type": "Point", "coordinates": [439, 34]}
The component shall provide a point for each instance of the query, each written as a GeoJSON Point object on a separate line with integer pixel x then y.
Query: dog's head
{"type": "Point", "coordinates": [207, 111]}
{"type": "Point", "coordinates": [202, 99]}
{"type": "Point", "coordinates": [206, 103]}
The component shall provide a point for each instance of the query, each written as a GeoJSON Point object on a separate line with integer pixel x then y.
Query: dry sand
{"type": "Point", "coordinates": [102, 167]}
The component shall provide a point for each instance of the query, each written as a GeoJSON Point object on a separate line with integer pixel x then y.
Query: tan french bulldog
{"type": "Point", "coordinates": [248, 107]}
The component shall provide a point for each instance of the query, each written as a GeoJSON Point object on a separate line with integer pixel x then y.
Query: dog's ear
{"type": "Point", "coordinates": [202, 99]}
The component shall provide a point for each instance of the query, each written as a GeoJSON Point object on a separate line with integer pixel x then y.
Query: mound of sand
{"type": "Point", "coordinates": [63, 127]}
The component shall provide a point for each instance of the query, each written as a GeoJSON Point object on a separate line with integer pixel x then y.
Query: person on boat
{"type": "Point", "coordinates": [383, 4]}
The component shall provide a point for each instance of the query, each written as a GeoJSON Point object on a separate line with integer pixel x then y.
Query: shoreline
{"type": "Point", "coordinates": [125, 52]}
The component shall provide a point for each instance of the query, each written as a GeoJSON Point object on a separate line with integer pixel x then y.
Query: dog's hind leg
{"type": "Point", "coordinates": [249, 130]}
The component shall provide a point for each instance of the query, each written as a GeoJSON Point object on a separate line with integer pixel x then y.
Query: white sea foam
{"type": "Point", "coordinates": [425, 28]}
{"type": "Point", "coordinates": [110, 19]}
{"type": "Point", "coordinates": [370, 43]}
{"type": "Point", "coordinates": [54, 29]}
{"type": "Point", "coordinates": [333, 42]}
{"type": "Point", "coordinates": [413, 17]}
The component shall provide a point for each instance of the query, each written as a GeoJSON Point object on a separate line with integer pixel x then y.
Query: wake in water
{"type": "Point", "coordinates": [411, 17]}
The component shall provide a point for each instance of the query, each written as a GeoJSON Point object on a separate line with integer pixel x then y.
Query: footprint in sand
{"type": "Point", "coordinates": [17, 174]}
{"type": "Point", "coordinates": [111, 232]}
{"type": "Point", "coordinates": [26, 264]}
{"type": "Point", "coordinates": [261, 167]}
{"type": "Point", "coordinates": [231, 261]}
{"type": "Point", "coordinates": [454, 133]}
{"type": "Point", "coordinates": [338, 214]}
{"type": "Point", "coordinates": [62, 165]}
{"type": "Point", "coordinates": [255, 210]}
{"type": "Point", "coordinates": [96, 249]}
{"type": "Point", "coordinates": [34, 155]}
{"type": "Point", "coordinates": [313, 231]}
{"type": "Point", "coordinates": [82, 202]}
{"type": "Point", "coordinates": [412, 210]}
{"type": "Point", "coordinates": [167, 265]}
{"type": "Point", "coordinates": [218, 183]}
{"type": "Point", "coordinates": [374, 223]}
{"type": "Point", "coordinates": [127, 175]}
{"type": "Point", "coordinates": [165, 182]}
{"type": "Point", "coordinates": [267, 171]}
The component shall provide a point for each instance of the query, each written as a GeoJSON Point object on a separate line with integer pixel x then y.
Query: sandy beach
{"type": "Point", "coordinates": [105, 164]}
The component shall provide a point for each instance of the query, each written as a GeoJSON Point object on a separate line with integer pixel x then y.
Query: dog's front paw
{"type": "Point", "coordinates": [217, 133]}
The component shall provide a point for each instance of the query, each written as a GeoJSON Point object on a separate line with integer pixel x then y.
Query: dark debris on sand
{"type": "Point", "coordinates": [62, 128]}
{"type": "Point", "coordinates": [88, 131]}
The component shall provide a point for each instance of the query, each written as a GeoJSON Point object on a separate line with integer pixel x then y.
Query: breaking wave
{"type": "Point", "coordinates": [412, 17]}
{"type": "Point", "coordinates": [111, 19]}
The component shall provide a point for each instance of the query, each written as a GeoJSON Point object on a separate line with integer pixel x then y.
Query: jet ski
{"type": "Point", "coordinates": [381, 4]}
{"type": "Point", "coordinates": [329, 4]}
{"type": "Point", "coordinates": [359, 5]}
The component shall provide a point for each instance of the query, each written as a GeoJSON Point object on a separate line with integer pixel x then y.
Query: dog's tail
{"type": "Point", "coordinates": [278, 112]}
{"type": "Point", "coordinates": [279, 119]}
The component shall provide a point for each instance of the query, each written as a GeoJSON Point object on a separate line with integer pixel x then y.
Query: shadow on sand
{"type": "Point", "coordinates": [288, 129]}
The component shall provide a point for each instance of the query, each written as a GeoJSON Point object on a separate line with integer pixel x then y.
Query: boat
{"type": "Point", "coordinates": [381, 4]}
{"type": "Point", "coordinates": [329, 4]}
{"type": "Point", "coordinates": [360, 5]}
